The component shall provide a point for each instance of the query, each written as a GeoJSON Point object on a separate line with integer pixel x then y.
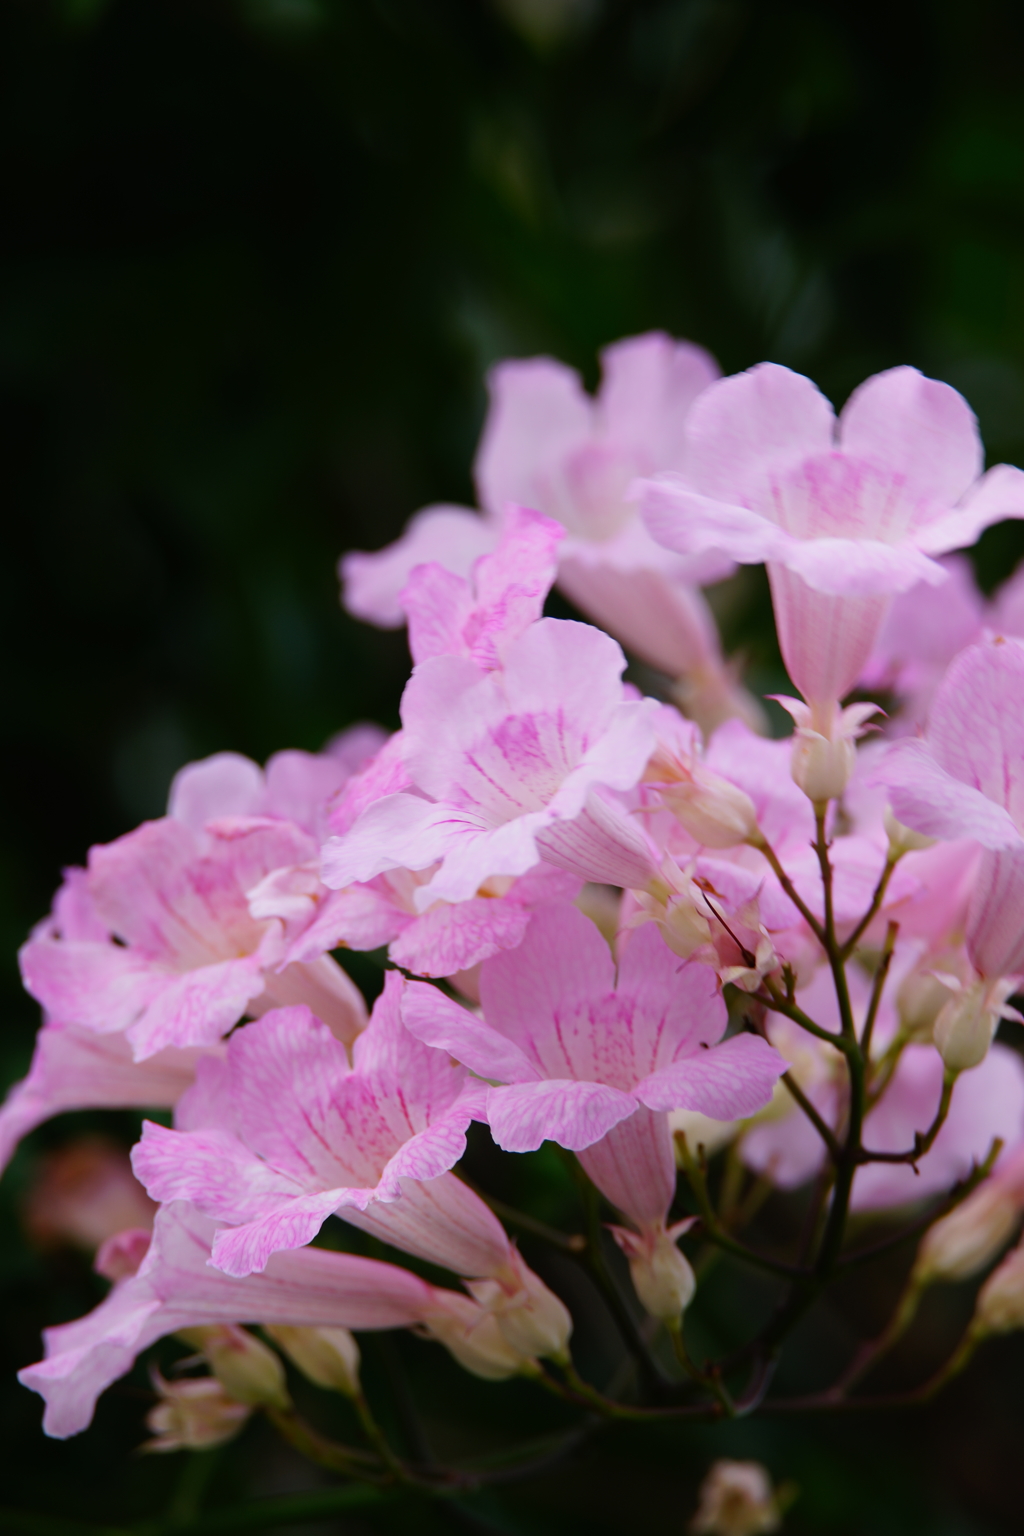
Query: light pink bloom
{"type": "Point", "coordinates": [448, 937]}
{"type": "Point", "coordinates": [594, 1064]}
{"type": "Point", "coordinates": [285, 1132]}
{"type": "Point", "coordinates": [174, 956]}
{"type": "Point", "coordinates": [175, 1287]}
{"type": "Point", "coordinates": [845, 515]}
{"type": "Point", "coordinates": [478, 617]}
{"type": "Point", "coordinates": [550, 446]}
{"type": "Point", "coordinates": [547, 444]}
{"type": "Point", "coordinates": [927, 627]}
{"type": "Point", "coordinates": [520, 753]}
{"type": "Point", "coordinates": [455, 537]}
{"type": "Point", "coordinates": [966, 780]}
{"type": "Point", "coordinates": [294, 786]}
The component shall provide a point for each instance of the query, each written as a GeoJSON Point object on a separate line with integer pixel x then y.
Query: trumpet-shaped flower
{"type": "Point", "coordinates": [548, 445]}
{"type": "Point", "coordinates": [285, 1132]}
{"type": "Point", "coordinates": [477, 618]}
{"type": "Point", "coordinates": [845, 515]}
{"type": "Point", "coordinates": [449, 936]}
{"type": "Point", "coordinates": [174, 957]}
{"type": "Point", "coordinates": [578, 1051]}
{"type": "Point", "coordinates": [175, 1287]}
{"type": "Point", "coordinates": [966, 780]}
{"type": "Point", "coordinates": [294, 786]}
{"type": "Point", "coordinates": [520, 753]}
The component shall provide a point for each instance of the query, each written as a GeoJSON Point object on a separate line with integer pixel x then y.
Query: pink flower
{"type": "Point", "coordinates": [548, 445]}
{"type": "Point", "coordinates": [448, 937]}
{"type": "Point", "coordinates": [844, 516]}
{"type": "Point", "coordinates": [454, 537]}
{"type": "Point", "coordinates": [966, 780]}
{"type": "Point", "coordinates": [581, 1053]}
{"type": "Point", "coordinates": [173, 956]}
{"type": "Point", "coordinates": [520, 753]}
{"type": "Point", "coordinates": [478, 617]}
{"type": "Point", "coordinates": [294, 786]}
{"type": "Point", "coordinates": [75, 1068]}
{"type": "Point", "coordinates": [175, 1287]}
{"type": "Point", "coordinates": [285, 1132]}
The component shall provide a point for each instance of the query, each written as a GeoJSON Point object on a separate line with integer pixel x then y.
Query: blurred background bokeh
{"type": "Point", "coordinates": [255, 259]}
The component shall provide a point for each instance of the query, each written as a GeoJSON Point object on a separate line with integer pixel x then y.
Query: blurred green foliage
{"type": "Point", "coordinates": [255, 258]}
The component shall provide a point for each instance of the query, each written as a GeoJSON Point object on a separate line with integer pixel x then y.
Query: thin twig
{"type": "Point", "coordinates": [877, 988]}
{"type": "Point", "coordinates": [876, 901]}
{"type": "Point", "coordinates": [922, 1139]}
{"type": "Point", "coordinates": [763, 846]}
{"type": "Point", "coordinates": [823, 1130]}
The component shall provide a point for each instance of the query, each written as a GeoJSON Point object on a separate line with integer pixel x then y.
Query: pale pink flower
{"type": "Point", "coordinates": [289, 1132]}
{"type": "Point", "coordinates": [520, 754]}
{"type": "Point", "coordinates": [581, 1053]}
{"type": "Point", "coordinates": [173, 956]}
{"type": "Point", "coordinates": [454, 537]}
{"type": "Point", "coordinates": [175, 1287]}
{"type": "Point", "coordinates": [550, 446]}
{"type": "Point", "coordinates": [479, 616]}
{"type": "Point", "coordinates": [294, 786]}
{"type": "Point", "coordinates": [76, 1068]}
{"type": "Point", "coordinates": [928, 626]}
{"type": "Point", "coordinates": [845, 515]}
{"type": "Point", "coordinates": [449, 936]}
{"type": "Point", "coordinates": [966, 780]}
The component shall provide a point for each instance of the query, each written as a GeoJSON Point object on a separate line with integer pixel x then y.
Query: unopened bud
{"type": "Point", "coordinates": [193, 1414]}
{"type": "Point", "coordinates": [903, 839]}
{"type": "Point", "coordinates": [532, 1320]}
{"type": "Point", "coordinates": [965, 1028]}
{"type": "Point", "coordinates": [824, 754]}
{"type": "Point", "coordinates": [968, 1239]}
{"type": "Point", "coordinates": [736, 1499]}
{"type": "Point", "coordinates": [661, 1274]}
{"type": "Point", "coordinates": [920, 998]}
{"type": "Point", "coordinates": [1000, 1304]}
{"type": "Point", "coordinates": [715, 812]}
{"type": "Point", "coordinates": [470, 1332]}
{"type": "Point", "coordinates": [249, 1371]}
{"type": "Point", "coordinates": [820, 767]}
{"type": "Point", "coordinates": [328, 1356]}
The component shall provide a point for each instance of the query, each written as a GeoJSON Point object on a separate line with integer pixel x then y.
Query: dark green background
{"type": "Point", "coordinates": [254, 260]}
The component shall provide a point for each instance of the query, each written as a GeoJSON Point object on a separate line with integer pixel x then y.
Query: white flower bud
{"type": "Point", "coordinates": [661, 1274]}
{"type": "Point", "coordinates": [736, 1499]}
{"type": "Point", "coordinates": [328, 1356]}
{"type": "Point", "coordinates": [1000, 1304]}
{"type": "Point", "coordinates": [903, 839]}
{"type": "Point", "coordinates": [716, 814]}
{"type": "Point", "coordinates": [968, 1239]}
{"type": "Point", "coordinates": [249, 1371]}
{"type": "Point", "coordinates": [470, 1332]}
{"type": "Point", "coordinates": [193, 1414]}
{"type": "Point", "coordinates": [920, 998]}
{"type": "Point", "coordinates": [965, 1028]}
{"type": "Point", "coordinates": [531, 1319]}
{"type": "Point", "coordinates": [824, 755]}
{"type": "Point", "coordinates": [820, 767]}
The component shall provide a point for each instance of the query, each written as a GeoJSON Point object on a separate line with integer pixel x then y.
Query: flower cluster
{"type": "Point", "coordinates": [634, 927]}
